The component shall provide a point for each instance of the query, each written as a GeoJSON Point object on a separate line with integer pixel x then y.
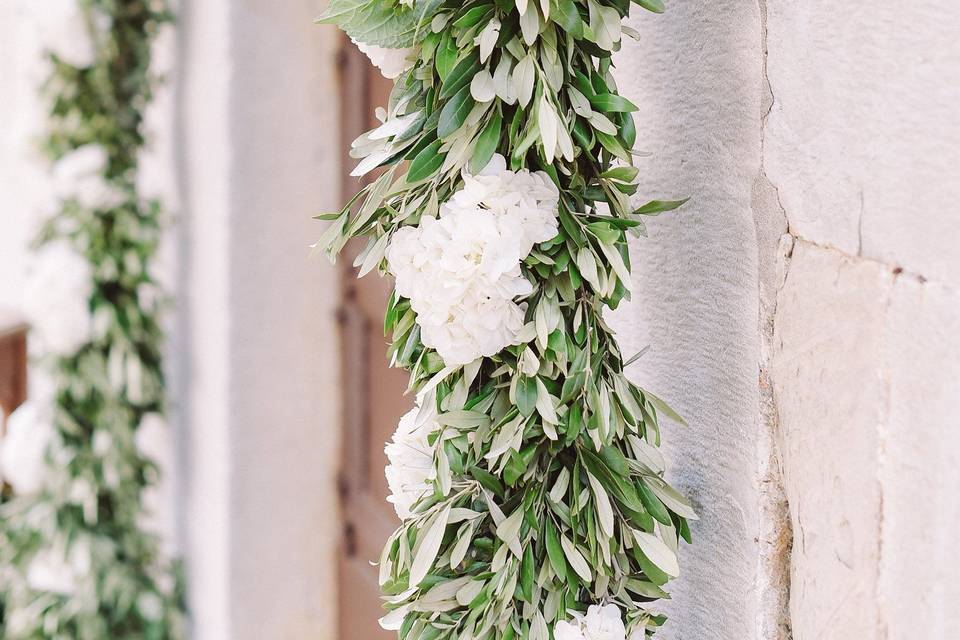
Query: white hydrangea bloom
{"type": "Point", "coordinates": [410, 469]}
{"type": "Point", "coordinates": [461, 271]}
{"type": "Point", "coordinates": [57, 299]}
{"type": "Point", "coordinates": [64, 31]}
{"type": "Point", "coordinates": [54, 570]}
{"type": "Point", "coordinates": [79, 175]}
{"type": "Point", "coordinates": [391, 62]}
{"type": "Point", "coordinates": [23, 450]}
{"type": "Point", "coordinates": [601, 622]}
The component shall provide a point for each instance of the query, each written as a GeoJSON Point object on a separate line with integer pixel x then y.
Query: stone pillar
{"type": "Point", "coordinates": [258, 383]}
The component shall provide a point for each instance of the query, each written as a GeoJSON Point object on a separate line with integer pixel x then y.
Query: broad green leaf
{"type": "Point", "coordinates": [455, 112]}
{"type": "Point", "coordinates": [655, 6]}
{"type": "Point", "coordinates": [426, 163]}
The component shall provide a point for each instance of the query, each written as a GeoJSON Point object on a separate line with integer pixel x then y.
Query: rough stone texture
{"type": "Point", "coordinates": [863, 139]}
{"type": "Point", "coordinates": [696, 76]}
{"type": "Point", "coordinates": [828, 356]}
{"type": "Point", "coordinates": [920, 463]}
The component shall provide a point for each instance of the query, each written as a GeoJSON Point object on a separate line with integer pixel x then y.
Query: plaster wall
{"type": "Point", "coordinates": [259, 378]}
{"type": "Point", "coordinates": [803, 309]}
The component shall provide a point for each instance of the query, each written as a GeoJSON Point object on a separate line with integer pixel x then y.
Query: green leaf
{"type": "Point", "coordinates": [528, 572]}
{"type": "Point", "coordinates": [527, 393]}
{"type": "Point", "coordinates": [426, 163]}
{"type": "Point", "coordinates": [378, 23]}
{"type": "Point", "coordinates": [652, 504]}
{"type": "Point", "coordinates": [487, 143]}
{"type": "Point", "coordinates": [446, 56]}
{"type": "Point", "coordinates": [655, 6]}
{"type": "Point", "coordinates": [555, 551]}
{"type": "Point", "coordinates": [655, 207]}
{"type": "Point", "coordinates": [460, 76]}
{"type": "Point", "coordinates": [612, 103]}
{"type": "Point", "coordinates": [488, 481]}
{"type": "Point", "coordinates": [455, 112]}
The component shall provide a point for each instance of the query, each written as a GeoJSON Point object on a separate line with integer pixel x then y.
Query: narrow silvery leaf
{"type": "Point", "coordinates": [469, 591]}
{"type": "Point", "coordinates": [560, 487]}
{"type": "Point", "coordinates": [428, 547]}
{"type": "Point", "coordinates": [488, 39]}
{"type": "Point", "coordinates": [521, 6]}
{"type": "Point", "coordinates": [658, 553]}
{"type": "Point", "coordinates": [545, 403]}
{"type": "Point", "coordinates": [619, 267]}
{"type": "Point", "coordinates": [538, 630]}
{"type": "Point", "coordinates": [576, 559]}
{"type": "Point", "coordinates": [502, 81]}
{"type": "Point", "coordinates": [547, 119]}
{"type": "Point", "coordinates": [530, 25]}
{"type": "Point", "coordinates": [509, 531]}
{"type": "Point", "coordinates": [482, 88]}
{"type": "Point", "coordinates": [460, 549]}
{"type": "Point", "coordinates": [587, 264]}
{"type": "Point", "coordinates": [604, 509]}
{"type": "Point", "coordinates": [374, 256]}
{"type": "Point", "coordinates": [524, 75]}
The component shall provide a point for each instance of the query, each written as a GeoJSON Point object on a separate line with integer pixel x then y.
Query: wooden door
{"type": "Point", "coordinates": [13, 365]}
{"type": "Point", "coordinates": [373, 394]}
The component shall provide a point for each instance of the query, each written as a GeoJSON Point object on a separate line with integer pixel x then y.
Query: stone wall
{"type": "Point", "coordinates": [803, 309]}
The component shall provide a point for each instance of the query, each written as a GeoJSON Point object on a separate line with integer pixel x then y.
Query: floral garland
{"type": "Point", "coordinates": [78, 560]}
{"type": "Point", "coordinates": [528, 478]}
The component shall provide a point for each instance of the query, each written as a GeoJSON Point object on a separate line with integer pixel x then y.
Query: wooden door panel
{"type": "Point", "coordinates": [373, 394]}
{"type": "Point", "coordinates": [13, 365]}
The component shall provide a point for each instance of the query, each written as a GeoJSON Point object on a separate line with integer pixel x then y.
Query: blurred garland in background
{"type": "Point", "coordinates": [529, 477]}
{"type": "Point", "coordinates": [77, 560]}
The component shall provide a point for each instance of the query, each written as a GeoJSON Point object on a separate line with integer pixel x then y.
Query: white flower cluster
{"type": "Point", "coordinates": [79, 176]}
{"type": "Point", "coordinates": [64, 29]}
{"type": "Point", "coordinates": [461, 271]}
{"type": "Point", "coordinates": [410, 471]}
{"type": "Point", "coordinates": [57, 299]}
{"type": "Point", "coordinates": [391, 62]}
{"type": "Point", "coordinates": [601, 622]}
{"type": "Point", "coordinates": [24, 448]}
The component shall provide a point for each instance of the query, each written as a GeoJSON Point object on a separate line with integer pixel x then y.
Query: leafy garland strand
{"type": "Point", "coordinates": [77, 562]}
{"type": "Point", "coordinates": [545, 513]}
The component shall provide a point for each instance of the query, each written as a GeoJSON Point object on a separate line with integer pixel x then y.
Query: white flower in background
{"type": "Point", "coordinates": [391, 62]}
{"type": "Point", "coordinates": [410, 470]}
{"type": "Point", "coordinates": [79, 175]}
{"type": "Point", "coordinates": [602, 622]}
{"type": "Point", "coordinates": [65, 31]}
{"type": "Point", "coordinates": [23, 450]}
{"type": "Point", "coordinates": [461, 271]}
{"type": "Point", "coordinates": [55, 570]}
{"type": "Point", "coordinates": [57, 299]}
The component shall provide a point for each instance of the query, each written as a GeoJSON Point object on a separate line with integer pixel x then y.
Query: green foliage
{"type": "Point", "coordinates": [549, 494]}
{"type": "Point", "coordinates": [97, 477]}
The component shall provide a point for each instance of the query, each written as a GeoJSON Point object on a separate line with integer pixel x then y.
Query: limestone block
{"type": "Point", "coordinates": [863, 140]}
{"type": "Point", "coordinates": [826, 364]}
{"type": "Point", "coordinates": [920, 464]}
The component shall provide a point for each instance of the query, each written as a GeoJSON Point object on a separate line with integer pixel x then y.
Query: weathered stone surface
{"type": "Point", "coordinates": [828, 354]}
{"type": "Point", "coordinates": [863, 138]}
{"type": "Point", "coordinates": [696, 76]}
{"type": "Point", "coordinates": [920, 464]}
